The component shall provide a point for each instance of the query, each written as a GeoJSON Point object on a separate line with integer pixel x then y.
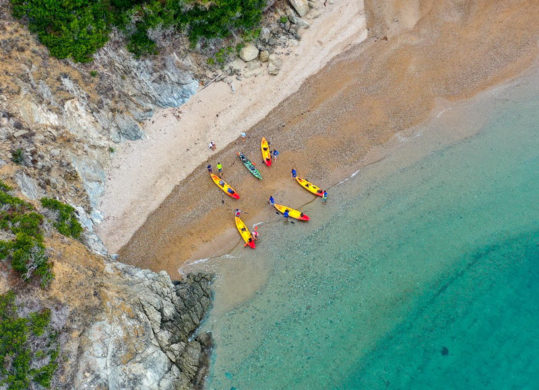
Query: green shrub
{"type": "Point", "coordinates": [93, 73]}
{"type": "Point", "coordinates": [139, 43]}
{"type": "Point", "coordinates": [69, 28]}
{"type": "Point", "coordinates": [66, 222]}
{"type": "Point", "coordinates": [26, 252]}
{"type": "Point", "coordinates": [76, 28]}
{"type": "Point", "coordinates": [18, 335]}
{"type": "Point", "coordinates": [17, 156]}
{"type": "Point", "coordinates": [283, 19]}
{"type": "Point", "coordinates": [4, 187]}
{"type": "Point", "coordinates": [38, 321]}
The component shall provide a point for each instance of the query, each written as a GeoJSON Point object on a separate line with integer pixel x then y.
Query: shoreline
{"type": "Point", "coordinates": [143, 173]}
{"type": "Point", "coordinates": [359, 101]}
{"type": "Point", "coordinates": [449, 113]}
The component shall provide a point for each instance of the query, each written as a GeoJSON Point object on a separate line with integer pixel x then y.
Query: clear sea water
{"type": "Point", "coordinates": [421, 272]}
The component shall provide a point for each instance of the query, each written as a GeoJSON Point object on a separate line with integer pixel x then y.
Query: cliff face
{"type": "Point", "coordinates": [120, 327]}
{"type": "Point", "coordinates": [65, 118]}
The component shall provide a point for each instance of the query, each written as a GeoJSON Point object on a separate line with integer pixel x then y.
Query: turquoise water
{"type": "Point", "coordinates": [418, 275]}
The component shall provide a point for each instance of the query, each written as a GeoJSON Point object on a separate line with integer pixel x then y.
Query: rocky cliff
{"type": "Point", "coordinates": [119, 327]}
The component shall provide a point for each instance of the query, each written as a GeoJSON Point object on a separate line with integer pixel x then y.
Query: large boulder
{"type": "Point", "coordinates": [248, 52]}
{"type": "Point", "coordinates": [301, 6]}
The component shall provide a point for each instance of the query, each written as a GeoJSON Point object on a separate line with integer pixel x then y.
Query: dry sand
{"type": "Point", "coordinates": [144, 172]}
{"type": "Point", "coordinates": [359, 101]}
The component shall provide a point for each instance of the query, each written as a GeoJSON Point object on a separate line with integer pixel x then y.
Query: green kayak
{"type": "Point", "coordinates": [250, 166]}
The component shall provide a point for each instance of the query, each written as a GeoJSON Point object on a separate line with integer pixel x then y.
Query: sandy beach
{"type": "Point", "coordinates": [144, 172]}
{"type": "Point", "coordinates": [325, 130]}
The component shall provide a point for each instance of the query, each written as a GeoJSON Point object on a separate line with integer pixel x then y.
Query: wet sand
{"type": "Point", "coordinates": [393, 81]}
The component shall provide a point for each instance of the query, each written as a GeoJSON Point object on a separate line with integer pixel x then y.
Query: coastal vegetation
{"type": "Point", "coordinates": [66, 221]}
{"type": "Point", "coordinates": [28, 346]}
{"type": "Point", "coordinates": [76, 29]}
{"type": "Point", "coordinates": [26, 250]}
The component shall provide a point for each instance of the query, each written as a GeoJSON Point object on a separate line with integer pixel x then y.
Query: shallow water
{"type": "Point", "coordinates": [420, 272]}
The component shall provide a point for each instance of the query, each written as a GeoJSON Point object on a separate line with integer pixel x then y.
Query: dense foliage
{"type": "Point", "coordinates": [77, 28]}
{"type": "Point", "coordinates": [26, 251]}
{"type": "Point", "coordinates": [28, 347]}
{"type": "Point", "coordinates": [66, 220]}
{"type": "Point", "coordinates": [73, 28]}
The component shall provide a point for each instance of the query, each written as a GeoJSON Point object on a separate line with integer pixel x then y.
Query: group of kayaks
{"type": "Point", "coordinates": [286, 211]}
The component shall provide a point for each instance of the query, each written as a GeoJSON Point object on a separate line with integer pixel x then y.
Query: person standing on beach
{"type": "Point", "coordinates": [237, 212]}
{"type": "Point", "coordinates": [220, 168]}
{"type": "Point", "coordinates": [243, 135]}
{"type": "Point", "coordinates": [325, 196]}
{"type": "Point", "coordinates": [212, 145]}
{"type": "Point", "coordinates": [210, 170]}
{"type": "Point", "coordinates": [255, 233]}
{"type": "Point", "coordinates": [286, 214]}
{"type": "Point", "coordinates": [271, 200]}
{"type": "Point", "coordinates": [275, 154]}
{"type": "Point", "coordinates": [294, 174]}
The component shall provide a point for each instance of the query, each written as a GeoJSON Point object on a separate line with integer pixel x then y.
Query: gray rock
{"type": "Point", "coordinates": [265, 34]}
{"type": "Point", "coordinates": [147, 341]}
{"type": "Point", "coordinates": [20, 133]}
{"type": "Point", "coordinates": [249, 52]}
{"type": "Point", "coordinates": [128, 128]}
{"type": "Point", "coordinates": [28, 186]}
{"type": "Point", "coordinates": [93, 176]}
{"type": "Point", "coordinates": [274, 65]}
{"type": "Point", "coordinates": [301, 6]}
{"type": "Point", "coordinates": [264, 56]}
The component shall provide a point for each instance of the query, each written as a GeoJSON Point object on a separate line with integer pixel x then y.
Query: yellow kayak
{"type": "Point", "coordinates": [227, 189]}
{"type": "Point", "coordinates": [296, 214]}
{"type": "Point", "coordinates": [310, 187]}
{"type": "Point", "coordinates": [245, 233]}
{"type": "Point", "coordinates": [266, 155]}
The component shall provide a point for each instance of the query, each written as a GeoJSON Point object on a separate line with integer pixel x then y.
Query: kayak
{"type": "Point", "coordinates": [245, 233]}
{"type": "Point", "coordinates": [224, 186]}
{"type": "Point", "coordinates": [266, 155]}
{"type": "Point", "coordinates": [250, 166]}
{"type": "Point", "coordinates": [296, 214]}
{"type": "Point", "coordinates": [310, 187]}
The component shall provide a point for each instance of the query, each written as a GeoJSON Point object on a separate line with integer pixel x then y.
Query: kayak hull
{"type": "Point", "coordinates": [266, 155]}
{"type": "Point", "coordinates": [224, 186]}
{"type": "Point", "coordinates": [313, 189]}
{"type": "Point", "coordinates": [245, 233]}
{"type": "Point", "coordinates": [293, 213]}
{"type": "Point", "coordinates": [250, 166]}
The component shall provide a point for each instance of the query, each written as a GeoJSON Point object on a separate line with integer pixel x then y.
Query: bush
{"type": "Point", "coordinates": [17, 156]}
{"type": "Point", "coordinates": [18, 335]}
{"type": "Point", "coordinates": [76, 28]}
{"type": "Point", "coordinates": [66, 222]}
{"type": "Point", "coordinates": [26, 252]}
{"type": "Point", "coordinates": [69, 28]}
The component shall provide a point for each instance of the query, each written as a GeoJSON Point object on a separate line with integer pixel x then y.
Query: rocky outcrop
{"type": "Point", "coordinates": [63, 119]}
{"type": "Point", "coordinates": [119, 327]}
{"type": "Point", "coordinates": [146, 337]}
